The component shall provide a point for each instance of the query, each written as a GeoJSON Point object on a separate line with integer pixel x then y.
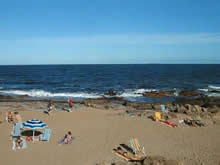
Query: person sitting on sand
{"type": "Point", "coordinates": [19, 142]}
{"type": "Point", "coordinates": [18, 118]}
{"type": "Point", "coordinates": [157, 116]}
{"type": "Point", "coordinates": [67, 138]}
{"type": "Point", "coordinates": [49, 108]}
{"type": "Point", "coordinates": [10, 117]}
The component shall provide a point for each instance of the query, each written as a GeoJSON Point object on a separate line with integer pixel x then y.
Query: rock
{"type": "Point", "coordinates": [188, 107]}
{"type": "Point", "coordinates": [182, 109]}
{"type": "Point", "coordinates": [213, 110]}
{"type": "Point", "coordinates": [189, 93]}
{"type": "Point", "coordinates": [204, 109]}
{"type": "Point", "coordinates": [159, 94]}
{"type": "Point", "coordinates": [198, 109]}
{"type": "Point", "coordinates": [217, 116]}
{"type": "Point", "coordinates": [111, 92]}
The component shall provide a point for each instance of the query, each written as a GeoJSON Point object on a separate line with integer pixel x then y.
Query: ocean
{"type": "Point", "coordinates": [58, 82]}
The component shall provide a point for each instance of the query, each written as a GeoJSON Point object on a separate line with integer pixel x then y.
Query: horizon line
{"type": "Point", "coordinates": [117, 64]}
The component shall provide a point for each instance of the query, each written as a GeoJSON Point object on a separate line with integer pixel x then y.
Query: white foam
{"type": "Point", "coordinates": [203, 89]}
{"type": "Point", "coordinates": [129, 94]}
{"type": "Point", "coordinates": [42, 93]}
{"type": "Point", "coordinates": [144, 90]}
{"type": "Point", "coordinates": [214, 87]}
{"type": "Point", "coordinates": [135, 93]}
{"type": "Point", "coordinates": [214, 94]}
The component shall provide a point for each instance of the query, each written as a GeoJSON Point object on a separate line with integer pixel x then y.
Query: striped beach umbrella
{"type": "Point", "coordinates": [34, 124]}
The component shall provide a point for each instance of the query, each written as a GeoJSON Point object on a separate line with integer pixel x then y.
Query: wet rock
{"type": "Point", "coordinates": [2, 97]}
{"type": "Point", "coordinates": [189, 93]}
{"type": "Point", "coordinates": [103, 100]}
{"type": "Point", "coordinates": [111, 92]}
{"type": "Point", "coordinates": [159, 94]}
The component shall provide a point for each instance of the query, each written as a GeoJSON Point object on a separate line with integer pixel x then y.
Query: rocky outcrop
{"type": "Point", "coordinates": [159, 94]}
{"type": "Point", "coordinates": [189, 93]}
{"type": "Point", "coordinates": [10, 98]}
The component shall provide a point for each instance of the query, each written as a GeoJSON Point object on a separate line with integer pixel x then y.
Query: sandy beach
{"type": "Point", "coordinates": [98, 131]}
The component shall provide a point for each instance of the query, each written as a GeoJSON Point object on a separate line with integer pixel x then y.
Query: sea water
{"type": "Point", "coordinates": [94, 81]}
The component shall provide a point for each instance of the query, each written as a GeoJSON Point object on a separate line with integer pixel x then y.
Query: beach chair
{"type": "Point", "coordinates": [136, 147]}
{"type": "Point", "coordinates": [46, 135]}
{"type": "Point", "coordinates": [163, 108]}
{"type": "Point", "coordinates": [23, 147]}
{"type": "Point", "coordinates": [16, 130]}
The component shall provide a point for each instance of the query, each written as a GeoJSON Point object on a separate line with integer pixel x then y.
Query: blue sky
{"type": "Point", "coordinates": [109, 31]}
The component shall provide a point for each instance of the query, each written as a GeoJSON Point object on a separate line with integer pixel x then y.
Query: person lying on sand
{"type": "Point", "coordinates": [19, 142]}
{"type": "Point", "coordinates": [128, 155]}
{"type": "Point", "coordinates": [190, 122]}
{"type": "Point", "coordinates": [67, 138]}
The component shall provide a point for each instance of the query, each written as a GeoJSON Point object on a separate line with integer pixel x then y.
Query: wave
{"type": "Point", "coordinates": [42, 93]}
{"type": "Point", "coordinates": [128, 93]}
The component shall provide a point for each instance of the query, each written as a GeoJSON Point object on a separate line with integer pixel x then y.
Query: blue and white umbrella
{"type": "Point", "coordinates": [34, 124]}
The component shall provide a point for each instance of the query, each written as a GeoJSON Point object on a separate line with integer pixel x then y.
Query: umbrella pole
{"type": "Point", "coordinates": [33, 136]}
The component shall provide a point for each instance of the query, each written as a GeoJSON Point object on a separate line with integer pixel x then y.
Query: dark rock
{"type": "Point", "coordinates": [2, 97]}
{"type": "Point", "coordinates": [111, 92]}
{"type": "Point", "coordinates": [189, 93]}
{"type": "Point", "coordinates": [159, 94]}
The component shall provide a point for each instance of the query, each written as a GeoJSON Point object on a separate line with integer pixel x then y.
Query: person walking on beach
{"type": "Point", "coordinates": [49, 108]}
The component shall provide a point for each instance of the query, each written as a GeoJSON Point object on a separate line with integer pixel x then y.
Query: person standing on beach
{"type": "Point", "coordinates": [70, 102]}
{"type": "Point", "coordinates": [49, 108]}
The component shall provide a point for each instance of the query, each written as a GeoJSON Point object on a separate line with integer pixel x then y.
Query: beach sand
{"type": "Point", "coordinates": [97, 132]}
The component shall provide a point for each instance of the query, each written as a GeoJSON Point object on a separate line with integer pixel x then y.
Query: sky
{"type": "Point", "coordinates": [109, 32]}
